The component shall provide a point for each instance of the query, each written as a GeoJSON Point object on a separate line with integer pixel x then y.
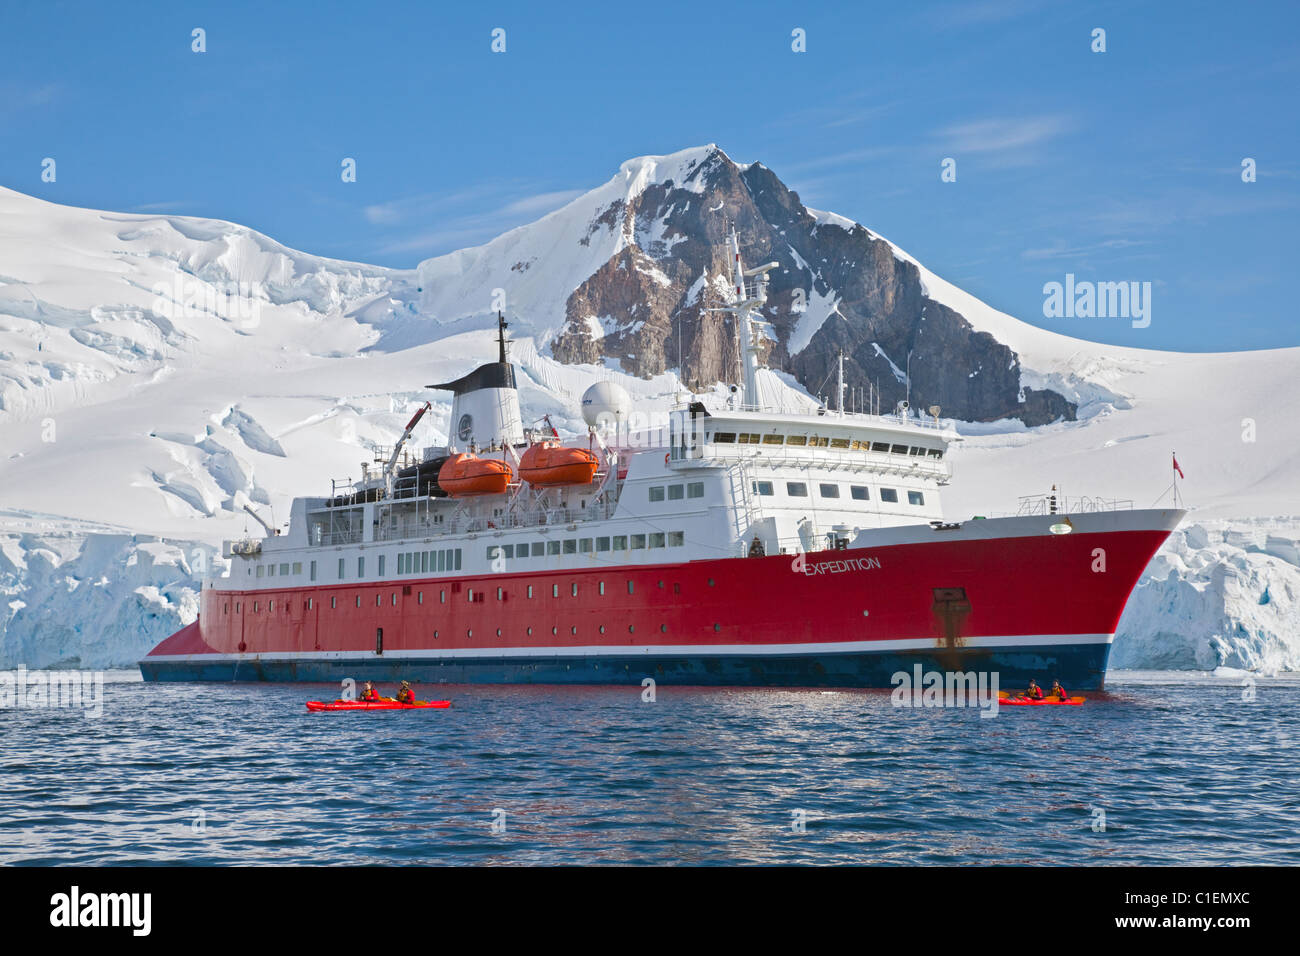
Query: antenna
{"type": "Point", "coordinates": [502, 325]}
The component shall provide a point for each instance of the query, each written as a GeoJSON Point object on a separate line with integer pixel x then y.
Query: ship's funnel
{"type": "Point", "coordinates": [485, 409]}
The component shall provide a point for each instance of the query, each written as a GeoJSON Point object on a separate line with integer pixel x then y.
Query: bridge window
{"type": "Point", "coordinates": [828, 491]}
{"type": "Point", "coordinates": [797, 440]}
{"type": "Point", "coordinates": [539, 548]}
{"type": "Point", "coordinates": [695, 489]}
{"type": "Point", "coordinates": [839, 443]}
{"type": "Point", "coordinates": [915, 498]}
{"type": "Point", "coordinates": [570, 545]}
{"type": "Point", "coordinates": [638, 542]}
{"type": "Point", "coordinates": [656, 492]}
{"type": "Point", "coordinates": [676, 539]}
{"type": "Point", "coordinates": [773, 439]}
{"type": "Point", "coordinates": [747, 438]}
{"type": "Point", "coordinates": [898, 449]}
{"type": "Point", "coordinates": [880, 446]}
{"type": "Point", "coordinates": [889, 494]}
{"type": "Point", "coordinates": [818, 442]}
{"type": "Point", "coordinates": [552, 547]}
{"type": "Point", "coordinates": [725, 438]}
{"type": "Point", "coordinates": [860, 492]}
{"type": "Point", "coordinates": [602, 544]}
{"type": "Point", "coordinates": [657, 539]}
{"type": "Point", "coordinates": [676, 492]}
{"type": "Point", "coordinates": [796, 489]}
{"type": "Point", "coordinates": [915, 451]}
{"type": "Point", "coordinates": [935, 452]}
{"type": "Point", "coordinates": [620, 542]}
{"type": "Point", "coordinates": [584, 545]}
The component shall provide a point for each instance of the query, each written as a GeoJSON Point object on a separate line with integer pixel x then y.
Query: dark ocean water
{"type": "Point", "coordinates": [1185, 772]}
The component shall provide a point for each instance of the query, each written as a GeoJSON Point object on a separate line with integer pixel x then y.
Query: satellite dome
{"type": "Point", "coordinates": [606, 404]}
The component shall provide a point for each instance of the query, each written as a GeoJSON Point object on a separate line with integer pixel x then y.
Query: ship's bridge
{"type": "Point", "coordinates": [878, 444]}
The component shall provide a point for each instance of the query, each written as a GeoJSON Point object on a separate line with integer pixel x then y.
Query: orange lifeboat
{"type": "Point", "coordinates": [465, 475]}
{"type": "Point", "coordinates": [548, 464]}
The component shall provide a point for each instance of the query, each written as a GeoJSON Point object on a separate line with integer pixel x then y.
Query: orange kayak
{"type": "Point", "coordinates": [317, 705]}
{"type": "Point", "coordinates": [1039, 702]}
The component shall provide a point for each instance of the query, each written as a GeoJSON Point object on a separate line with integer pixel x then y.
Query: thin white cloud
{"type": "Point", "coordinates": [457, 232]}
{"type": "Point", "coordinates": [1003, 134]}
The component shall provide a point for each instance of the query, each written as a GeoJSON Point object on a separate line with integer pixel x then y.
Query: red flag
{"type": "Point", "coordinates": [1177, 469]}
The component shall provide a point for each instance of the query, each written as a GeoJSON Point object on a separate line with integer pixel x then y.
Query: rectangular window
{"type": "Point", "coordinates": [725, 438]}
{"type": "Point", "coordinates": [442, 597]}
{"type": "Point", "coordinates": [829, 491]}
{"type": "Point", "coordinates": [361, 567]}
{"type": "Point", "coordinates": [552, 547]}
{"type": "Point", "coordinates": [424, 561]}
{"type": "Point", "coordinates": [638, 542]}
{"type": "Point", "coordinates": [270, 570]}
{"type": "Point", "coordinates": [630, 588]}
{"type": "Point", "coordinates": [676, 492]}
{"type": "Point", "coordinates": [816, 442]}
{"type": "Point", "coordinates": [656, 492]}
{"type": "Point", "coordinates": [521, 552]}
{"type": "Point", "coordinates": [888, 494]}
{"type": "Point", "coordinates": [763, 488]}
{"type": "Point", "coordinates": [602, 587]}
{"type": "Point", "coordinates": [916, 452]}
{"type": "Point", "coordinates": [341, 561]}
{"type": "Point", "coordinates": [860, 493]}
{"type": "Point", "coordinates": [898, 449]}
{"type": "Point", "coordinates": [796, 489]}
{"type": "Point", "coordinates": [570, 546]}
{"type": "Point", "coordinates": [656, 539]}
{"type": "Point", "coordinates": [312, 569]}
{"type": "Point", "coordinates": [530, 590]}
{"type": "Point", "coordinates": [508, 550]}
{"type": "Point", "coordinates": [539, 548]}
{"type": "Point", "coordinates": [573, 589]}
{"type": "Point", "coordinates": [915, 498]}
{"type": "Point", "coordinates": [260, 570]}
{"type": "Point", "coordinates": [676, 539]}
{"type": "Point", "coordinates": [880, 446]}
{"type": "Point", "coordinates": [501, 594]}
{"type": "Point", "coordinates": [773, 439]}
{"type": "Point", "coordinates": [441, 558]}
{"type": "Point", "coordinates": [555, 590]}
{"type": "Point", "coordinates": [839, 443]}
{"type": "Point", "coordinates": [334, 603]}
{"type": "Point", "coordinates": [584, 545]}
{"type": "Point", "coordinates": [936, 453]}
{"type": "Point", "coordinates": [380, 566]}
{"type": "Point", "coordinates": [797, 440]}
{"type": "Point", "coordinates": [695, 489]}
{"type": "Point", "coordinates": [419, 597]}
{"type": "Point", "coordinates": [492, 550]}
{"type": "Point", "coordinates": [620, 542]}
{"type": "Point", "coordinates": [297, 567]}
{"type": "Point", "coordinates": [602, 544]}
{"type": "Point", "coordinates": [358, 600]}
{"type": "Point", "coordinates": [284, 569]}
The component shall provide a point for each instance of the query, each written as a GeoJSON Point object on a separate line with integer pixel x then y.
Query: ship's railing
{"type": "Point", "coordinates": [1052, 504]}
{"type": "Point", "coordinates": [828, 415]}
{"type": "Point", "coordinates": [787, 456]}
{"type": "Point", "coordinates": [421, 527]}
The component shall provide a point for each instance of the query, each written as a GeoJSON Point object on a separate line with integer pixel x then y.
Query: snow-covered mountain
{"type": "Point", "coordinates": [156, 371]}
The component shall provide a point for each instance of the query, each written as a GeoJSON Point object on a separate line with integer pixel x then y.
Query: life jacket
{"type": "Point", "coordinates": [371, 694]}
{"type": "Point", "coordinates": [1036, 693]}
{"type": "Point", "coordinates": [406, 696]}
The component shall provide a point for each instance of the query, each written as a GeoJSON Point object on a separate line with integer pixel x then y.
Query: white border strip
{"type": "Point", "coordinates": [651, 650]}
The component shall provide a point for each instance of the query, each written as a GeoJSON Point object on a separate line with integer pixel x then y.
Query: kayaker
{"type": "Point", "coordinates": [370, 693]}
{"type": "Point", "coordinates": [1059, 691]}
{"type": "Point", "coordinates": [1034, 692]}
{"type": "Point", "coordinates": [405, 695]}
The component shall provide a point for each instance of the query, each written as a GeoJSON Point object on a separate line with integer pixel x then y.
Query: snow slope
{"type": "Point", "coordinates": [139, 400]}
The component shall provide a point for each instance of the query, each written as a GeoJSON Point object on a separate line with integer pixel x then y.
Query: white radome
{"type": "Point", "coordinates": [606, 405]}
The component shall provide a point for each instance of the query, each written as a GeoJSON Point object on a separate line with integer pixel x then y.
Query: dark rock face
{"type": "Point", "coordinates": [647, 306]}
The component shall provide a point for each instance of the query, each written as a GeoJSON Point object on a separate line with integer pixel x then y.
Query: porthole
{"type": "Point", "coordinates": [498, 632]}
{"type": "Point", "coordinates": [573, 629]}
{"type": "Point", "coordinates": [555, 630]}
{"type": "Point", "coordinates": [663, 628]}
{"type": "Point", "coordinates": [710, 582]}
{"type": "Point", "coordinates": [717, 627]}
{"type": "Point", "coordinates": [470, 632]}
{"type": "Point", "coordinates": [631, 628]}
{"type": "Point", "coordinates": [529, 632]}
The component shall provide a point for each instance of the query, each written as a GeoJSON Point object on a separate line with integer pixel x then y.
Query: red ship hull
{"type": "Point", "coordinates": [1027, 605]}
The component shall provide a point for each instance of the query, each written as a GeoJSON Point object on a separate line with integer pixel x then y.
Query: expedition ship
{"type": "Point", "coordinates": [745, 544]}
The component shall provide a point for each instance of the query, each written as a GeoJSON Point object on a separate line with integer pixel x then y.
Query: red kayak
{"type": "Point", "coordinates": [1039, 702]}
{"type": "Point", "coordinates": [317, 705]}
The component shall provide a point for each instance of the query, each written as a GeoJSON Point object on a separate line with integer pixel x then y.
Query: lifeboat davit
{"type": "Point", "coordinates": [465, 475]}
{"type": "Point", "coordinates": [549, 464]}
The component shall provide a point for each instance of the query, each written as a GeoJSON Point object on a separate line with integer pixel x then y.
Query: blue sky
{"type": "Point", "coordinates": [1115, 166]}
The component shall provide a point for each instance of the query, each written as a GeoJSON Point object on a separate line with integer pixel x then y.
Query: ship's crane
{"type": "Point", "coordinates": [406, 435]}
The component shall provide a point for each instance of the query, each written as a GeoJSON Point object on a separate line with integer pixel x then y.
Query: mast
{"type": "Point", "coordinates": [746, 298]}
{"type": "Point", "coordinates": [840, 388]}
